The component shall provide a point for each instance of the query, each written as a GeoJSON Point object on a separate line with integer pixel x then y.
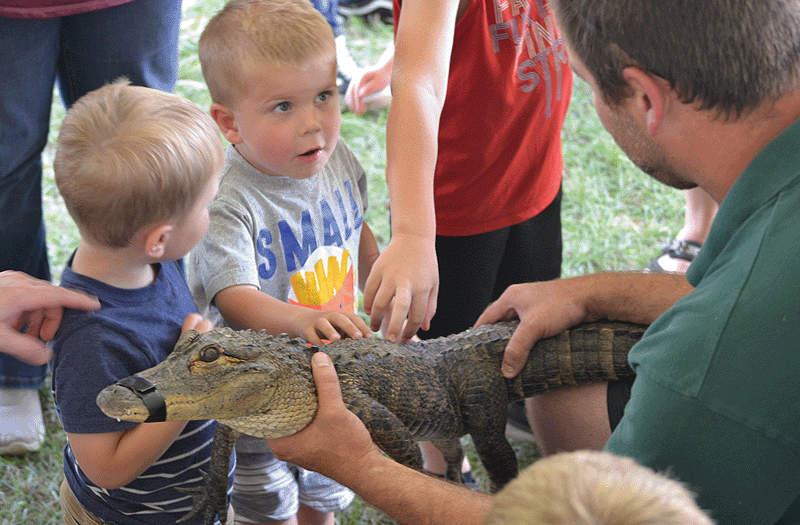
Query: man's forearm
{"type": "Point", "coordinates": [413, 498]}
{"type": "Point", "coordinates": [633, 297]}
{"type": "Point", "coordinates": [337, 445]}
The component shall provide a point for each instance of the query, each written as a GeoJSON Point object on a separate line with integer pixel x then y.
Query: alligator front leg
{"type": "Point", "coordinates": [210, 499]}
{"type": "Point", "coordinates": [387, 431]}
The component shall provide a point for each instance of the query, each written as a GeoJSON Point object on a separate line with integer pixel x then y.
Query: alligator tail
{"type": "Point", "coordinates": [587, 353]}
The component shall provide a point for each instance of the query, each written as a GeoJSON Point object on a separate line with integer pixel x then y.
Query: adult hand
{"type": "Point", "coordinates": [403, 283]}
{"type": "Point", "coordinates": [336, 443]}
{"type": "Point", "coordinates": [544, 309]}
{"type": "Point", "coordinates": [548, 308]}
{"type": "Point", "coordinates": [37, 305]}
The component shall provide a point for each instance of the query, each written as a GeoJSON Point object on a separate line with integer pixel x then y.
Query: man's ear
{"type": "Point", "coordinates": [155, 240]}
{"type": "Point", "coordinates": [651, 96]}
{"type": "Point", "coordinates": [226, 122]}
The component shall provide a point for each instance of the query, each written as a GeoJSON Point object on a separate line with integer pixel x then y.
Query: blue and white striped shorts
{"type": "Point", "coordinates": [266, 488]}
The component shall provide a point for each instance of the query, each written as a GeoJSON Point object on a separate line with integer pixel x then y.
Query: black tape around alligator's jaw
{"type": "Point", "coordinates": [152, 398]}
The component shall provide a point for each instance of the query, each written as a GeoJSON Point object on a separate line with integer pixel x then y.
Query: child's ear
{"type": "Point", "coordinates": [155, 240]}
{"type": "Point", "coordinates": [226, 122]}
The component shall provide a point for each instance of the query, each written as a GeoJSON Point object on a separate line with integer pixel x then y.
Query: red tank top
{"type": "Point", "coordinates": [499, 160]}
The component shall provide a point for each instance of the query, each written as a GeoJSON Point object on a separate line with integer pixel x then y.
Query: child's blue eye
{"type": "Point", "coordinates": [324, 96]}
{"type": "Point", "coordinates": [283, 106]}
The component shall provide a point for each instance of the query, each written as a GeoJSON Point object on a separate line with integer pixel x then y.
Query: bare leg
{"type": "Point", "coordinates": [309, 516]}
{"type": "Point", "coordinates": [305, 516]}
{"type": "Point", "coordinates": [699, 214]}
{"type": "Point", "coordinates": [433, 460]}
{"type": "Point", "coordinates": [290, 521]}
{"type": "Point", "coordinates": [570, 418]}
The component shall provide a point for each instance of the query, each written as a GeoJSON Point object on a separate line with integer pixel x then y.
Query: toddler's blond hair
{"type": "Point", "coordinates": [251, 33]}
{"type": "Point", "coordinates": [129, 157]}
{"type": "Point", "coordinates": [594, 488]}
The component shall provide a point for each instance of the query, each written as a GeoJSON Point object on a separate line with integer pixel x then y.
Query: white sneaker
{"type": "Point", "coordinates": [346, 66]}
{"type": "Point", "coordinates": [21, 422]}
{"type": "Point", "coordinates": [372, 11]}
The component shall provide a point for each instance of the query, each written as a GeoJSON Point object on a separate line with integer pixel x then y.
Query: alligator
{"type": "Point", "coordinates": [437, 390]}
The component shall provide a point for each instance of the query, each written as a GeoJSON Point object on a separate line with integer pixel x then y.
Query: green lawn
{"type": "Point", "coordinates": [615, 218]}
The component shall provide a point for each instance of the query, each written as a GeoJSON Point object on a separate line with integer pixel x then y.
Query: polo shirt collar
{"type": "Point", "coordinates": [775, 167]}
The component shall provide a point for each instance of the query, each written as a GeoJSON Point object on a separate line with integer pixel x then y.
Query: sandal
{"type": "Point", "coordinates": [683, 249]}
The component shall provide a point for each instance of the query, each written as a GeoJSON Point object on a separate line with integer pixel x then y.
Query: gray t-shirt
{"type": "Point", "coordinates": [296, 240]}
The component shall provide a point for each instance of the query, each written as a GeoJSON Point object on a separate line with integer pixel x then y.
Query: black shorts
{"type": "Point", "coordinates": [475, 269]}
{"type": "Point", "coordinates": [619, 392]}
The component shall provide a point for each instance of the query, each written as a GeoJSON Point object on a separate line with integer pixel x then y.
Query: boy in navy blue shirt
{"type": "Point", "coordinates": [137, 169]}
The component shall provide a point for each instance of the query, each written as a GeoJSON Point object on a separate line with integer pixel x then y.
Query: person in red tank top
{"type": "Point", "coordinates": [480, 89]}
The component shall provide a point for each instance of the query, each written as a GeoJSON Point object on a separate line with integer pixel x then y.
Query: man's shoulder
{"type": "Point", "coordinates": [731, 342]}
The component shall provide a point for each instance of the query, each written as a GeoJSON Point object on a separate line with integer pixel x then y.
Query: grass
{"type": "Point", "coordinates": [615, 218]}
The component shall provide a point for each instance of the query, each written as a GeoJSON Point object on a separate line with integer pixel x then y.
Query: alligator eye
{"type": "Point", "coordinates": [209, 354]}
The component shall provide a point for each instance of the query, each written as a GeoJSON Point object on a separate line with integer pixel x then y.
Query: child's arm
{"type": "Point", "coordinates": [114, 459]}
{"type": "Point", "coordinates": [368, 253]}
{"type": "Point", "coordinates": [404, 282]}
{"type": "Point", "coordinates": [245, 306]}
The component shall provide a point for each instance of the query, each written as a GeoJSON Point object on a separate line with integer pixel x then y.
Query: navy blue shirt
{"type": "Point", "coordinates": [134, 330]}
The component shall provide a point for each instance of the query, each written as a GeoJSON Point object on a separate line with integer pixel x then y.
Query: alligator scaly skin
{"type": "Point", "coordinates": [437, 390]}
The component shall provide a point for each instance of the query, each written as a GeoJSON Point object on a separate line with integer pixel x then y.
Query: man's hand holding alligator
{"type": "Point", "coordinates": [548, 308]}
{"type": "Point", "coordinates": [335, 437]}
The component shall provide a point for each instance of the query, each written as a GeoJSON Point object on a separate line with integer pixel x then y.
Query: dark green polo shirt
{"type": "Point", "coordinates": [716, 399]}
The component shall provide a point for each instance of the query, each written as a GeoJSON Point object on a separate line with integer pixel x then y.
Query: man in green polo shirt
{"type": "Point", "coordinates": [698, 93]}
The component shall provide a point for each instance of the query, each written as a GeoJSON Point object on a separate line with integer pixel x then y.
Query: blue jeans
{"type": "Point", "coordinates": [330, 10]}
{"type": "Point", "coordinates": [138, 40]}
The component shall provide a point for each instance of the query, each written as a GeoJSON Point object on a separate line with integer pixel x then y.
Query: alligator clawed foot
{"type": "Point", "coordinates": [205, 503]}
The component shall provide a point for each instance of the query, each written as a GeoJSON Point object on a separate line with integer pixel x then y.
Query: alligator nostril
{"type": "Point", "coordinates": [116, 400]}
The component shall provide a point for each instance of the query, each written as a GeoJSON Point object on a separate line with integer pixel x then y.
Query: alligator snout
{"type": "Point", "coordinates": [132, 399]}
